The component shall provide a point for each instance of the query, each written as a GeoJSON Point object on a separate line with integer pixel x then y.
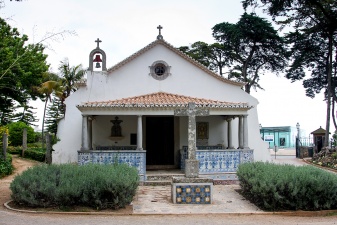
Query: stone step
{"type": "Point", "coordinates": [156, 183]}
{"type": "Point", "coordinates": [160, 177]}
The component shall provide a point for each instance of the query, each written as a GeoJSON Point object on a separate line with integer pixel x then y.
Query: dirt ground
{"type": "Point", "coordinates": [20, 165]}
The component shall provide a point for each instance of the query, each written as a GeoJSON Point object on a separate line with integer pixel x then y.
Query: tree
{"type": "Point", "coordinates": [70, 76]}
{"type": "Point", "coordinates": [315, 18]}
{"type": "Point", "coordinates": [24, 113]}
{"type": "Point", "coordinates": [22, 67]}
{"type": "Point", "coordinates": [212, 56]}
{"type": "Point", "coordinates": [47, 88]}
{"type": "Point", "coordinates": [55, 112]}
{"type": "Point", "coordinates": [16, 133]}
{"type": "Point", "coordinates": [253, 46]}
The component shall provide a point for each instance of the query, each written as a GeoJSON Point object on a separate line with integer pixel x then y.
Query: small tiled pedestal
{"type": "Point", "coordinates": [192, 190]}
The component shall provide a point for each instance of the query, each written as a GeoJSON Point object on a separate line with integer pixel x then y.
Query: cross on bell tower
{"type": "Point", "coordinates": [98, 41]}
{"type": "Point", "coordinates": [160, 37]}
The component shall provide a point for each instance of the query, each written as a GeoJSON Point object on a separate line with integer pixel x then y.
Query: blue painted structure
{"type": "Point", "coordinates": [219, 163]}
{"type": "Point", "coordinates": [135, 158]}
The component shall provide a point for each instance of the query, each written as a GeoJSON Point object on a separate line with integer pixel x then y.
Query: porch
{"type": "Point", "coordinates": [165, 124]}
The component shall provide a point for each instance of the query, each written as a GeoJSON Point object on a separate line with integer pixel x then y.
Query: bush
{"type": "Point", "coordinates": [97, 186]}
{"type": "Point", "coordinates": [34, 155]}
{"type": "Point", "coordinates": [16, 133]}
{"type": "Point", "coordinates": [287, 187]}
{"type": "Point", "coordinates": [3, 130]}
{"type": "Point", "coordinates": [6, 167]}
{"type": "Point", "coordinates": [14, 150]}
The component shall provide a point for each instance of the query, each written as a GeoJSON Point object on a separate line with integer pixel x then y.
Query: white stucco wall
{"type": "Point", "coordinates": [133, 79]}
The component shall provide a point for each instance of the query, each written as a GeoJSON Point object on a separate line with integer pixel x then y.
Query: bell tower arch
{"type": "Point", "coordinates": [98, 57]}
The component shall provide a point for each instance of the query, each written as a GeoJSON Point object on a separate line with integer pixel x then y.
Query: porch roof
{"type": "Point", "coordinates": [163, 100]}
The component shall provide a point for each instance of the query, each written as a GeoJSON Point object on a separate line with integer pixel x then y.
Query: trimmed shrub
{"type": "Point", "coordinates": [97, 186]}
{"type": "Point", "coordinates": [37, 154]}
{"type": "Point", "coordinates": [6, 167]}
{"type": "Point", "coordinates": [34, 155]}
{"type": "Point", "coordinates": [287, 187]}
{"type": "Point", "coordinates": [15, 150]}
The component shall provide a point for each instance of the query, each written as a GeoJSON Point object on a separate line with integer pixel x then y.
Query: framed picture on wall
{"type": "Point", "coordinates": [202, 130]}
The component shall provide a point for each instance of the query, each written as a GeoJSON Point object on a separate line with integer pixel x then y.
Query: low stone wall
{"type": "Point", "coordinates": [215, 160]}
{"type": "Point", "coordinates": [135, 158]}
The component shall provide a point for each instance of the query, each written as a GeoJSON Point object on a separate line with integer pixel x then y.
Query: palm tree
{"type": "Point", "coordinates": [70, 76]}
{"type": "Point", "coordinates": [47, 88]}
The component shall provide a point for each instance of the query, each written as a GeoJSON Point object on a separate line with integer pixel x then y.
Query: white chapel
{"type": "Point", "coordinates": [127, 113]}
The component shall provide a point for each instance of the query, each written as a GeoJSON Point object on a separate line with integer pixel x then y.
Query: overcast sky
{"type": "Point", "coordinates": [126, 26]}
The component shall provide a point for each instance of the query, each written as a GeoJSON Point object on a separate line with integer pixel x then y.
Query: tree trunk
{"type": "Point", "coordinates": [328, 110]}
{"type": "Point", "coordinates": [44, 115]}
{"type": "Point", "coordinates": [330, 91]}
{"type": "Point", "coordinates": [333, 114]}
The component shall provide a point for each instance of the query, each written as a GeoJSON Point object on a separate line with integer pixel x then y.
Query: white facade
{"type": "Point", "coordinates": [132, 78]}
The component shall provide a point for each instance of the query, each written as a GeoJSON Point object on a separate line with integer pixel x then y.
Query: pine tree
{"type": "Point", "coordinates": [55, 112]}
{"type": "Point", "coordinates": [24, 113]}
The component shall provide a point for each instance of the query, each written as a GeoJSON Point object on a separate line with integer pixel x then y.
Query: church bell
{"type": "Point", "coordinates": [98, 61]}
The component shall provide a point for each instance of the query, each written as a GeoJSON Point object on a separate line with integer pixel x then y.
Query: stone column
{"type": "Point", "coordinates": [140, 133]}
{"type": "Point", "coordinates": [90, 118]}
{"type": "Point", "coordinates": [24, 141]}
{"type": "Point", "coordinates": [245, 132]}
{"type": "Point", "coordinates": [84, 133]}
{"type": "Point", "coordinates": [230, 139]}
{"type": "Point", "coordinates": [240, 132]}
{"type": "Point", "coordinates": [226, 136]}
{"type": "Point", "coordinates": [191, 163]}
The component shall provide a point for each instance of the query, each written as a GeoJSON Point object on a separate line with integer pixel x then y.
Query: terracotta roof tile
{"type": "Point", "coordinates": [162, 99]}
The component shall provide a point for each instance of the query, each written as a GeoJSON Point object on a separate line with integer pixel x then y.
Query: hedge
{"type": "Point", "coordinates": [288, 187]}
{"type": "Point", "coordinates": [96, 186]}
{"type": "Point", "coordinates": [35, 155]}
{"type": "Point", "coordinates": [6, 167]}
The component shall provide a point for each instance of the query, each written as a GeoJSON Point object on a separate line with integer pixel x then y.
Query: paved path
{"type": "Point", "coordinates": [157, 200]}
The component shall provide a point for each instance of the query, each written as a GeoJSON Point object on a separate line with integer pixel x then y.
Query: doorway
{"type": "Point", "coordinates": [160, 140]}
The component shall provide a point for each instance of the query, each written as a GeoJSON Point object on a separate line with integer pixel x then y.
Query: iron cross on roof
{"type": "Point", "coordinates": [159, 36]}
{"type": "Point", "coordinates": [98, 41]}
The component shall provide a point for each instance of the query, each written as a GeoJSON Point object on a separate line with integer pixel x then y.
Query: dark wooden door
{"type": "Point", "coordinates": [159, 141]}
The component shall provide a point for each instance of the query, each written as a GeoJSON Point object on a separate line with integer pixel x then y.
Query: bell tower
{"type": "Point", "coordinates": [97, 59]}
